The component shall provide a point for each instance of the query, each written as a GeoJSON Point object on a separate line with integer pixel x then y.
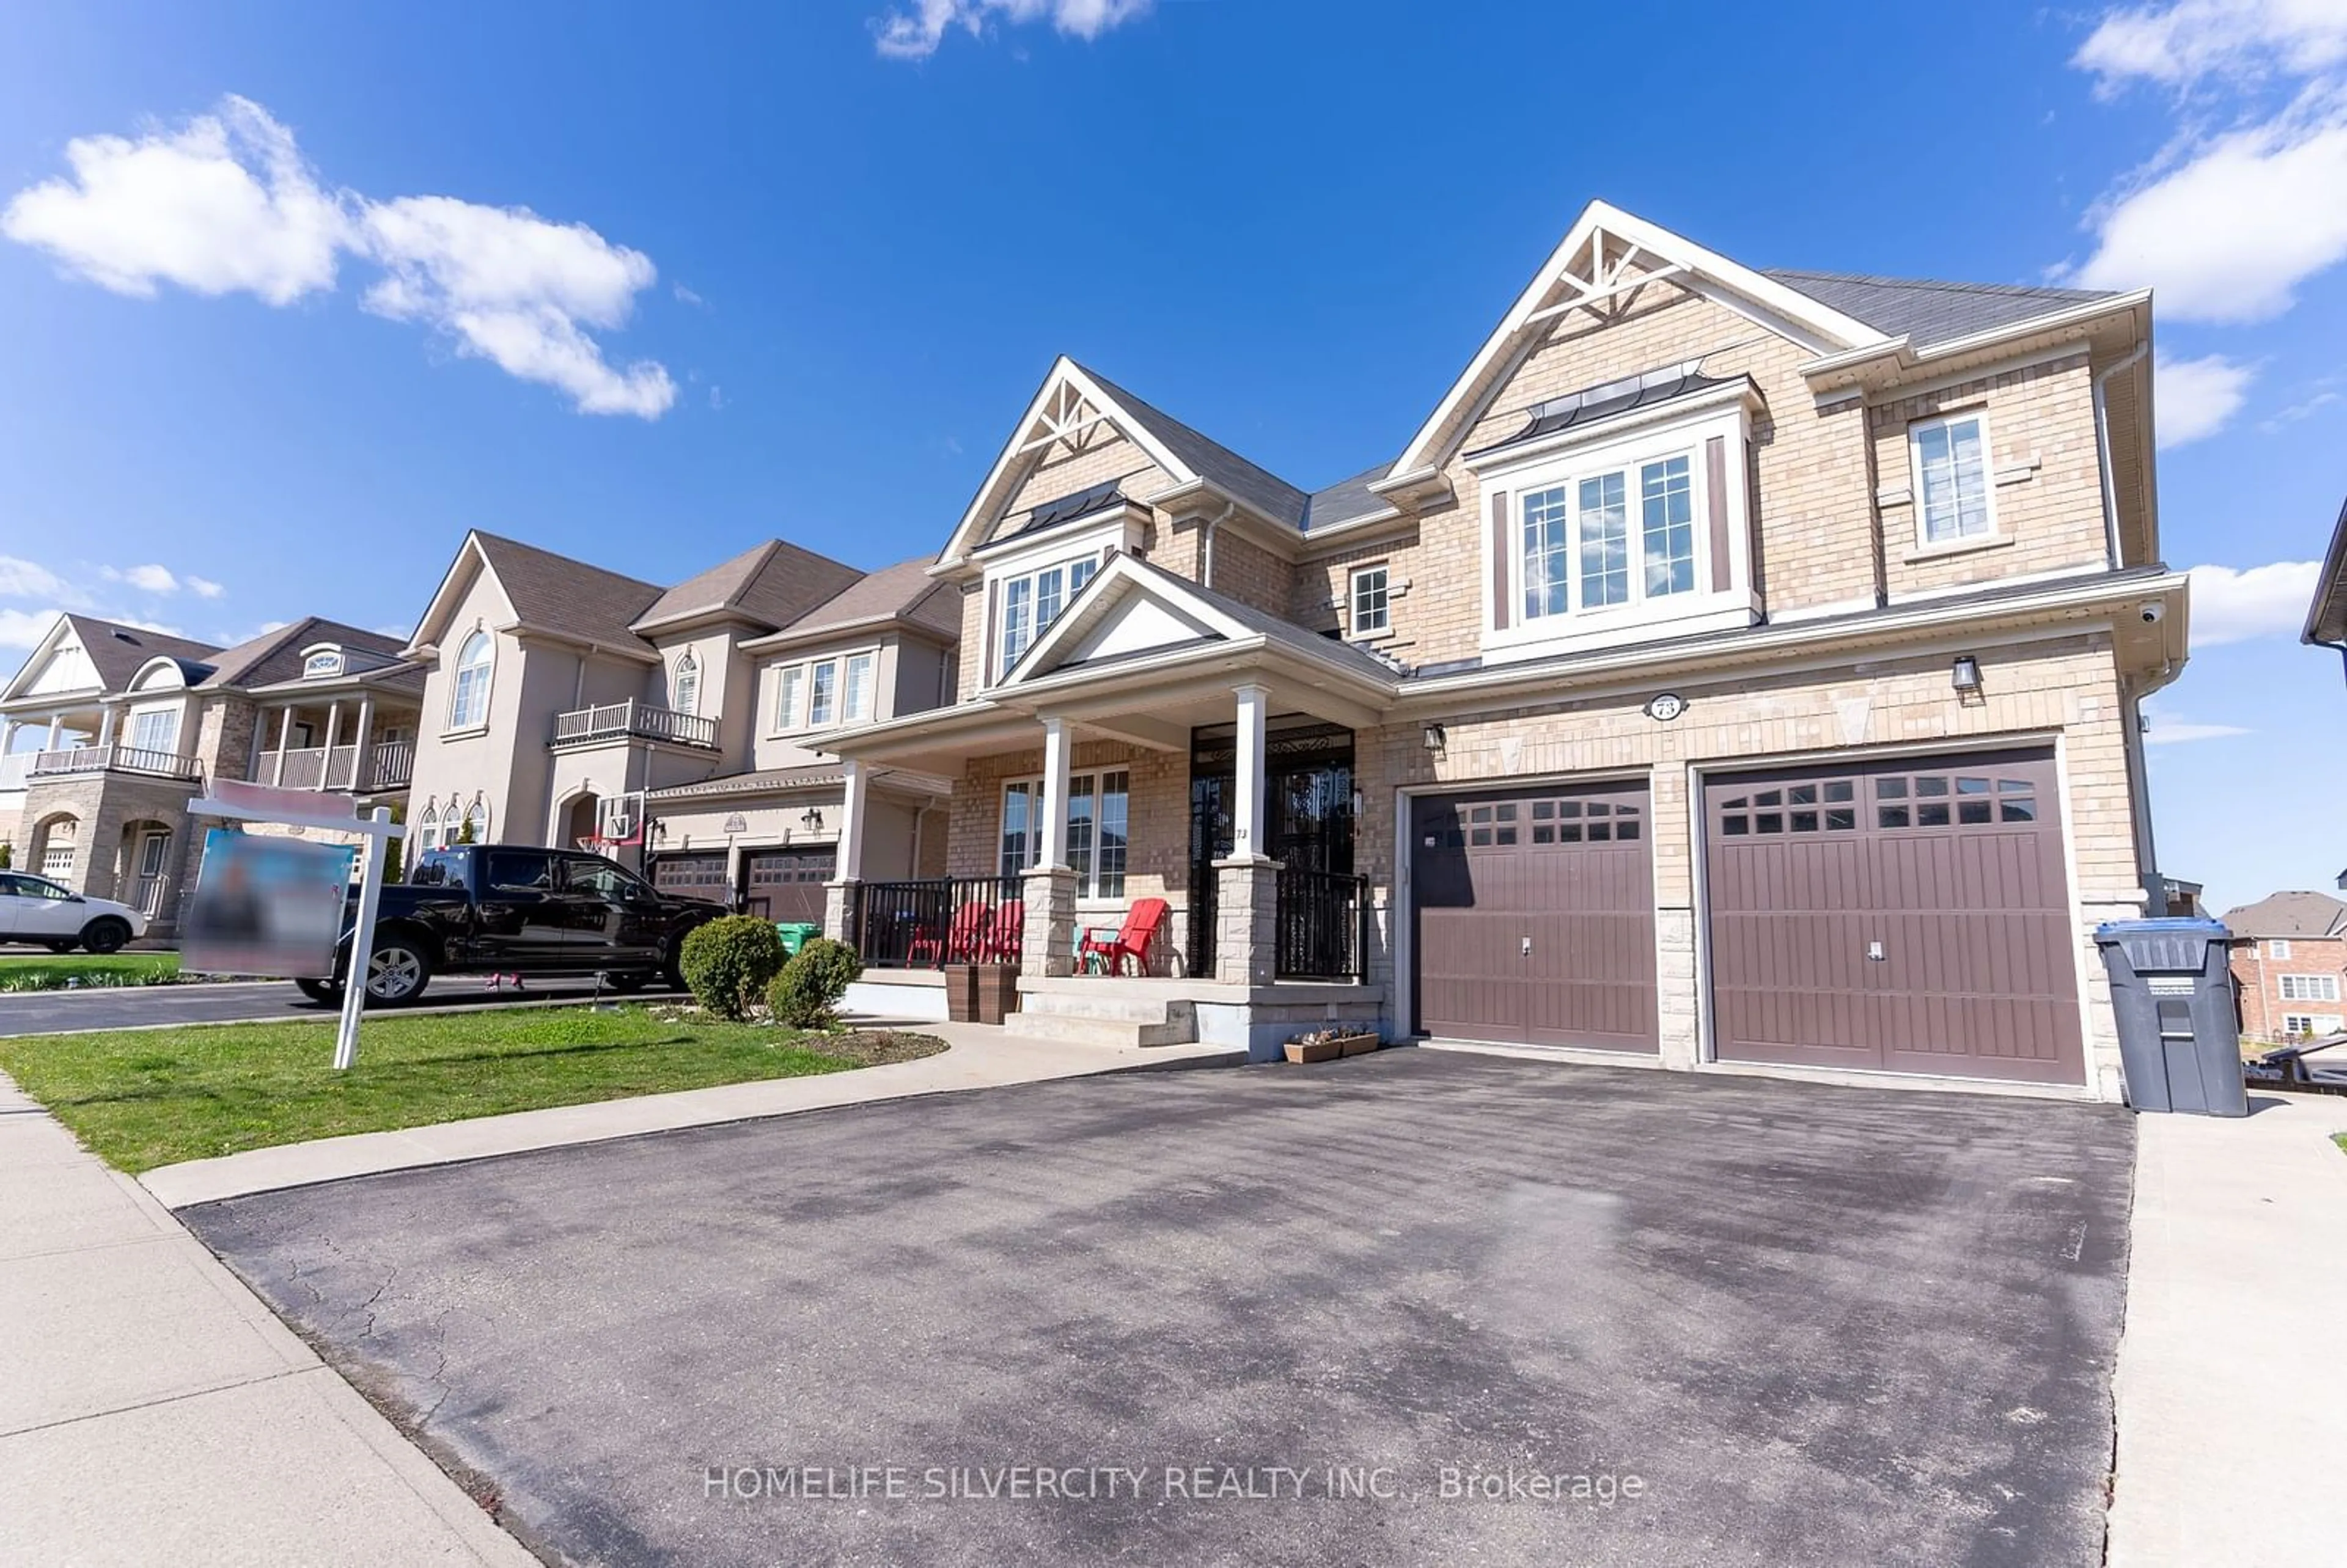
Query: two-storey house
{"type": "Point", "coordinates": [681, 728]}
{"type": "Point", "coordinates": [107, 731]}
{"type": "Point", "coordinates": [2289, 956]}
{"type": "Point", "coordinates": [1734, 668]}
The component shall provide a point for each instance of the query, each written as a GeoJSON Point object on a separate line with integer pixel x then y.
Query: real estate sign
{"type": "Point", "coordinates": [267, 905]}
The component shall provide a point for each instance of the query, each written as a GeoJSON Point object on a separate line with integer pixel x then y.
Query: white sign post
{"type": "Point", "coordinates": [242, 801]}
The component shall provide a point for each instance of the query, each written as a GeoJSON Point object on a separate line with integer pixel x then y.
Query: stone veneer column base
{"type": "Point", "coordinates": [1247, 910]}
{"type": "Point", "coordinates": [1675, 986]}
{"type": "Point", "coordinates": [836, 899]}
{"type": "Point", "coordinates": [1049, 946]}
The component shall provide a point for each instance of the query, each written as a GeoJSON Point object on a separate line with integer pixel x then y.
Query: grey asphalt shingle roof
{"type": "Point", "coordinates": [1928, 311]}
{"type": "Point", "coordinates": [568, 596]}
{"type": "Point", "coordinates": [1347, 500]}
{"type": "Point", "coordinates": [904, 591]}
{"type": "Point", "coordinates": [117, 650]}
{"type": "Point", "coordinates": [1648, 390]}
{"type": "Point", "coordinates": [1250, 483]}
{"type": "Point", "coordinates": [2294, 914]}
{"type": "Point", "coordinates": [774, 584]}
{"type": "Point", "coordinates": [275, 656]}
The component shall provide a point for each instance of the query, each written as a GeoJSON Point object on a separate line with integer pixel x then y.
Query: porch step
{"type": "Point", "coordinates": [1126, 1022]}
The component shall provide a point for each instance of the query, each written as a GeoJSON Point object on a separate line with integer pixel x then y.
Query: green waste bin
{"type": "Point", "coordinates": [797, 933]}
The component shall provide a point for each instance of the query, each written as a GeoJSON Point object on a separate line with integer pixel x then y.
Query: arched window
{"type": "Point", "coordinates": [686, 698]}
{"type": "Point", "coordinates": [468, 708]}
{"type": "Point", "coordinates": [477, 821]}
{"type": "Point", "coordinates": [427, 830]}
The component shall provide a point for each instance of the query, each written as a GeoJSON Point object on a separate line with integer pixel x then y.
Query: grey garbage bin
{"type": "Point", "coordinates": [2180, 1038]}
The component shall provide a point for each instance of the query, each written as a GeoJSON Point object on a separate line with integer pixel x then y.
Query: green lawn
{"type": "Point", "coordinates": [143, 1098]}
{"type": "Point", "coordinates": [56, 971]}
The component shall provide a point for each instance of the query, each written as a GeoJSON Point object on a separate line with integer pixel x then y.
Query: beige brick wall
{"type": "Point", "coordinates": [2049, 512]}
{"type": "Point", "coordinates": [1059, 471]}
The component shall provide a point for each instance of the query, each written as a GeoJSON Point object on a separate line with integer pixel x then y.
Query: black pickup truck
{"type": "Point", "coordinates": [514, 909]}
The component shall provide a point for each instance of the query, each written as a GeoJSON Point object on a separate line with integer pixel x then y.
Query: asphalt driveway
{"type": "Point", "coordinates": [1725, 1320]}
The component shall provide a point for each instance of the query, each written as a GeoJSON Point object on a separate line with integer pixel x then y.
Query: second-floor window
{"type": "Point", "coordinates": [686, 688]}
{"type": "Point", "coordinates": [155, 730]}
{"type": "Point", "coordinates": [1951, 469]}
{"type": "Point", "coordinates": [1581, 547]}
{"type": "Point", "coordinates": [825, 692]}
{"type": "Point", "coordinates": [468, 703]}
{"type": "Point", "coordinates": [1372, 602]}
{"type": "Point", "coordinates": [1032, 601]}
{"type": "Point", "coordinates": [2277, 948]}
{"type": "Point", "coordinates": [2309, 988]}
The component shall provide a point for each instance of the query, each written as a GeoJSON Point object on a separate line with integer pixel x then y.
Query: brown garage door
{"type": "Point", "coordinates": [1535, 915]}
{"type": "Point", "coordinates": [786, 885]}
{"type": "Point", "coordinates": [1909, 915]}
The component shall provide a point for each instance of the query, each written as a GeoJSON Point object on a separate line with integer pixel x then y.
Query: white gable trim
{"type": "Point", "coordinates": [1035, 429]}
{"type": "Point", "coordinates": [1686, 264]}
{"type": "Point", "coordinates": [1116, 584]}
{"type": "Point", "coordinates": [39, 659]}
{"type": "Point", "coordinates": [434, 624]}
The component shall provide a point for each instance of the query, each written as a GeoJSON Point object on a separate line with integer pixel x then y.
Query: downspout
{"type": "Point", "coordinates": [1206, 543]}
{"type": "Point", "coordinates": [2103, 450]}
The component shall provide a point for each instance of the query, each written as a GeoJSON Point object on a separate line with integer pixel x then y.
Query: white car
{"type": "Point", "coordinates": [35, 909]}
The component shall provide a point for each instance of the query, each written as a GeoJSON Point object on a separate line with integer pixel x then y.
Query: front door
{"type": "Point", "coordinates": [1308, 811]}
{"type": "Point", "coordinates": [154, 860]}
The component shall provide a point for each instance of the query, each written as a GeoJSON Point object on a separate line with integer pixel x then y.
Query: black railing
{"type": "Point", "coordinates": [1322, 926]}
{"type": "Point", "coordinates": [941, 920]}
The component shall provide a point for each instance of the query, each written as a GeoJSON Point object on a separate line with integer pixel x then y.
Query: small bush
{"type": "Point", "coordinates": [728, 962]}
{"type": "Point", "coordinates": [810, 986]}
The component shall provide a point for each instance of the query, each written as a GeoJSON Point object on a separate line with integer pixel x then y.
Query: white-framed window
{"type": "Point", "coordinates": [155, 729]}
{"type": "Point", "coordinates": [1623, 535]}
{"type": "Point", "coordinates": [1032, 601]}
{"type": "Point", "coordinates": [427, 830]}
{"type": "Point", "coordinates": [477, 819]}
{"type": "Point", "coordinates": [2312, 1023]}
{"type": "Point", "coordinates": [2276, 948]}
{"type": "Point", "coordinates": [1098, 820]}
{"type": "Point", "coordinates": [468, 700]}
{"type": "Point", "coordinates": [2309, 988]}
{"type": "Point", "coordinates": [823, 694]}
{"type": "Point", "coordinates": [1372, 602]}
{"type": "Point", "coordinates": [1949, 461]}
{"type": "Point", "coordinates": [684, 690]}
{"type": "Point", "coordinates": [320, 663]}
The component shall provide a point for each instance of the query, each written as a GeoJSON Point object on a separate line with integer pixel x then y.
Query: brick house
{"type": "Point", "coordinates": [1733, 669]}
{"type": "Point", "coordinates": [107, 731]}
{"type": "Point", "coordinates": [682, 727]}
{"type": "Point", "coordinates": [2289, 966]}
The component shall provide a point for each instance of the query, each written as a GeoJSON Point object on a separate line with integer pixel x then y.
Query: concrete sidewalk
{"type": "Point", "coordinates": [980, 1057]}
{"type": "Point", "coordinates": [2232, 1402]}
{"type": "Point", "coordinates": [153, 1410]}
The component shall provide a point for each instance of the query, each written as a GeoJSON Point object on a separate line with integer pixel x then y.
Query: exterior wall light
{"type": "Point", "coordinates": [813, 820]}
{"type": "Point", "coordinates": [1434, 737]}
{"type": "Point", "coordinates": [1966, 676]}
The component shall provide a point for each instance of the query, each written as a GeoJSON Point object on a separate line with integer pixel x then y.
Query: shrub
{"type": "Point", "coordinates": [810, 986]}
{"type": "Point", "coordinates": [728, 961]}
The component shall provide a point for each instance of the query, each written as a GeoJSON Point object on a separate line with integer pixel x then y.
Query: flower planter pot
{"type": "Point", "coordinates": [1358, 1044]}
{"type": "Point", "coordinates": [1314, 1051]}
{"type": "Point", "coordinates": [997, 991]}
{"type": "Point", "coordinates": [961, 993]}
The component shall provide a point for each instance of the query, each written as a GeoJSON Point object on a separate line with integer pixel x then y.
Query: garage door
{"type": "Point", "coordinates": [1910, 915]}
{"type": "Point", "coordinates": [786, 885]}
{"type": "Point", "coordinates": [1535, 915]}
{"type": "Point", "coordinates": [693, 877]}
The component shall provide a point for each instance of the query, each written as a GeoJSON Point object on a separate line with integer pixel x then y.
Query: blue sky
{"type": "Point", "coordinates": [649, 292]}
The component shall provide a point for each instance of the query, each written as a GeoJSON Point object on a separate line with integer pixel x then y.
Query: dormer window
{"type": "Point", "coordinates": [320, 663]}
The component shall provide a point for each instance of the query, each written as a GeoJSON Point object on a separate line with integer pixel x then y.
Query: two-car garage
{"type": "Point", "coordinates": [1904, 913]}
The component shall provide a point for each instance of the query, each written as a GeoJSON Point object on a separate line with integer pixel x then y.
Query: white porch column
{"type": "Point", "coordinates": [56, 731]}
{"type": "Point", "coordinates": [106, 726]}
{"type": "Point", "coordinates": [1246, 816]}
{"type": "Point", "coordinates": [285, 739]}
{"type": "Point", "coordinates": [334, 728]}
{"type": "Point", "coordinates": [1051, 828]}
{"type": "Point", "coordinates": [851, 822]}
{"type": "Point", "coordinates": [361, 758]}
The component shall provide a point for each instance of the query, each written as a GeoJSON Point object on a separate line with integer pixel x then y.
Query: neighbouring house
{"type": "Point", "coordinates": [2326, 618]}
{"type": "Point", "coordinates": [107, 731]}
{"type": "Point", "coordinates": [681, 728]}
{"type": "Point", "coordinates": [2290, 965]}
{"type": "Point", "coordinates": [1733, 667]}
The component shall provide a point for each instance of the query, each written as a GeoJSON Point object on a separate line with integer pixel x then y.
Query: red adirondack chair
{"type": "Point", "coordinates": [1131, 942]}
{"type": "Point", "coordinates": [1007, 938]}
{"type": "Point", "coordinates": [961, 941]}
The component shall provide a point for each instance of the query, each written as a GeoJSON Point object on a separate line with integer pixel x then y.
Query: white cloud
{"type": "Point", "coordinates": [914, 31]}
{"type": "Point", "coordinates": [25, 627]}
{"type": "Point", "coordinates": [2162, 730]}
{"type": "Point", "coordinates": [204, 588]}
{"type": "Point", "coordinates": [224, 204]}
{"type": "Point", "coordinates": [513, 288]}
{"type": "Point", "coordinates": [227, 204]}
{"type": "Point", "coordinates": [2249, 198]}
{"type": "Point", "coordinates": [686, 296]}
{"type": "Point", "coordinates": [2304, 408]}
{"type": "Point", "coordinates": [149, 578]}
{"type": "Point", "coordinates": [2196, 397]}
{"type": "Point", "coordinates": [21, 578]}
{"type": "Point", "coordinates": [2234, 606]}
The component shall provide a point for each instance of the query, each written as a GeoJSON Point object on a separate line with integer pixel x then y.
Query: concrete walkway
{"type": "Point", "coordinates": [153, 1410]}
{"type": "Point", "coordinates": [982, 1056]}
{"type": "Point", "coordinates": [2232, 1398]}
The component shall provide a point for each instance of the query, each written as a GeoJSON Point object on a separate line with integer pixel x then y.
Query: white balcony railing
{"type": "Point", "coordinates": [389, 766]}
{"type": "Point", "coordinates": [641, 720]}
{"type": "Point", "coordinates": [113, 760]}
{"type": "Point", "coordinates": [13, 770]}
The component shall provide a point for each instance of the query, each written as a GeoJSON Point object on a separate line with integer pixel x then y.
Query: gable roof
{"type": "Point", "coordinates": [905, 592]}
{"type": "Point", "coordinates": [275, 656]}
{"type": "Point", "coordinates": [561, 595]}
{"type": "Point", "coordinates": [1928, 311]}
{"type": "Point", "coordinates": [2326, 617]}
{"type": "Point", "coordinates": [1249, 484]}
{"type": "Point", "coordinates": [773, 584]}
{"type": "Point", "coordinates": [118, 651]}
{"type": "Point", "coordinates": [2293, 914]}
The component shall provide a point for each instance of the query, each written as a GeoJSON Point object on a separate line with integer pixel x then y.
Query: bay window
{"type": "Point", "coordinates": [1032, 601]}
{"type": "Point", "coordinates": [1099, 807]}
{"type": "Point", "coordinates": [823, 694]}
{"type": "Point", "coordinates": [1578, 551]}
